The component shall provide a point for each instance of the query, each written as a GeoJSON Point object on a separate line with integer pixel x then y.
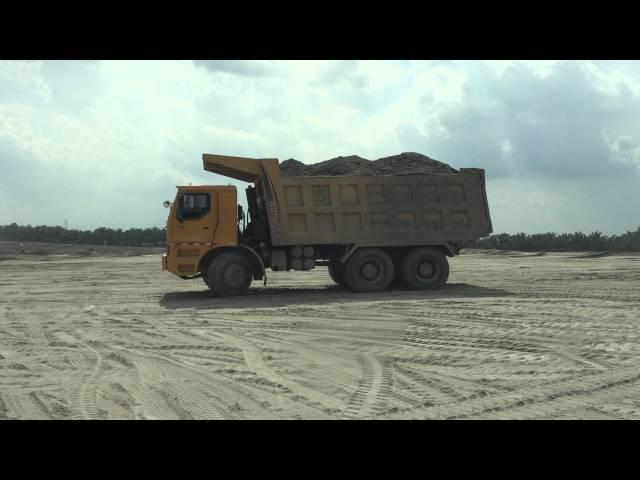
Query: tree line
{"type": "Point", "coordinates": [537, 242]}
{"type": "Point", "coordinates": [100, 236]}
{"type": "Point", "coordinates": [563, 242]}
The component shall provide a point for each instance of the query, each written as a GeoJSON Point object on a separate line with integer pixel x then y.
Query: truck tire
{"type": "Point", "coordinates": [205, 277]}
{"type": "Point", "coordinates": [369, 270]}
{"type": "Point", "coordinates": [229, 274]}
{"type": "Point", "coordinates": [424, 268]}
{"type": "Point", "coordinates": [336, 272]}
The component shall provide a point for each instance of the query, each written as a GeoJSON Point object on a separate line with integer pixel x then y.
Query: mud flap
{"type": "Point", "coordinates": [264, 270]}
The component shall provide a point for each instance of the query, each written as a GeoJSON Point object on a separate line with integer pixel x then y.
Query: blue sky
{"type": "Point", "coordinates": [103, 143]}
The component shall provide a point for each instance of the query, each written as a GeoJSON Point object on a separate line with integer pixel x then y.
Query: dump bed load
{"type": "Point", "coordinates": [368, 210]}
{"type": "Point", "coordinates": [403, 164]}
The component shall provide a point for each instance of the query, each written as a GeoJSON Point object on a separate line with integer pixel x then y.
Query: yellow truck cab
{"type": "Point", "coordinates": [203, 220]}
{"type": "Point", "coordinates": [368, 229]}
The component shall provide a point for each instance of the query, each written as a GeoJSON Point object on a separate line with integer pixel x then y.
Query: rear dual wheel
{"type": "Point", "coordinates": [372, 270]}
{"type": "Point", "coordinates": [424, 268]}
{"type": "Point", "coordinates": [369, 270]}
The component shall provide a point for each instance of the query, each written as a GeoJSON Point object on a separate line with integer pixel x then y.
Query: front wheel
{"type": "Point", "coordinates": [229, 274]}
{"type": "Point", "coordinates": [424, 268]}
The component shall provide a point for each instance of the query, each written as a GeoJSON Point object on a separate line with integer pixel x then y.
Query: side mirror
{"type": "Point", "coordinates": [166, 204]}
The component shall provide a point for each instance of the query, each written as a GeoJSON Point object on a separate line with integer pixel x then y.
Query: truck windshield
{"type": "Point", "coordinates": [193, 205]}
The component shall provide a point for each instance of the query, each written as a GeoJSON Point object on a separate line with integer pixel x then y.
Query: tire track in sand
{"type": "Point", "coordinates": [85, 400]}
{"type": "Point", "coordinates": [199, 406]}
{"type": "Point", "coordinates": [152, 404]}
{"type": "Point", "coordinates": [36, 333]}
{"type": "Point", "coordinates": [361, 404]}
{"type": "Point", "coordinates": [535, 399]}
{"type": "Point", "coordinates": [256, 364]}
{"type": "Point", "coordinates": [226, 393]}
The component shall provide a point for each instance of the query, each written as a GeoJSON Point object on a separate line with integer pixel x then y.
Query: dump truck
{"type": "Point", "coordinates": [371, 231]}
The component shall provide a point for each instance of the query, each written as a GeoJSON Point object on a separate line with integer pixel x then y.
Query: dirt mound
{"type": "Point", "coordinates": [411, 163]}
{"type": "Point", "coordinates": [406, 163]}
{"type": "Point", "coordinates": [592, 255]}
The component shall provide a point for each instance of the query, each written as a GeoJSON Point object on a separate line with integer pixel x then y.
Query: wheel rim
{"type": "Point", "coordinates": [426, 270]}
{"type": "Point", "coordinates": [370, 271]}
{"type": "Point", "coordinates": [234, 275]}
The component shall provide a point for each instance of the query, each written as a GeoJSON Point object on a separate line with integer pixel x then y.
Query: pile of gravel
{"type": "Point", "coordinates": [403, 164]}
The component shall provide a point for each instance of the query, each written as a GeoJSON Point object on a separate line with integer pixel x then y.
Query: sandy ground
{"type": "Point", "coordinates": [513, 336]}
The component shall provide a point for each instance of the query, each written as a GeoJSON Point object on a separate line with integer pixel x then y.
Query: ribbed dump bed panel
{"type": "Point", "coordinates": [381, 210]}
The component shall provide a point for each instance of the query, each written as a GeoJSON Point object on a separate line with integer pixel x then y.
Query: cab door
{"type": "Point", "coordinates": [195, 216]}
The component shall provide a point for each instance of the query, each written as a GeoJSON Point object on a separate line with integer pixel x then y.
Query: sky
{"type": "Point", "coordinates": [104, 143]}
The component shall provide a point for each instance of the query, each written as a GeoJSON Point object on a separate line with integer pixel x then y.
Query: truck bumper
{"type": "Point", "coordinates": [164, 261]}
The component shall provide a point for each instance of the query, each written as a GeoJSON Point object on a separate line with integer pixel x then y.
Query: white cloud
{"type": "Point", "coordinates": [118, 135]}
{"type": "Point", "coordinates": [506, 147]}
{"type": "Point", "coordinates": [25, 77]}
{"type": "Point", "coordinates": [626, 150]}
{"type": "Point", "coordinates": [610, 82]}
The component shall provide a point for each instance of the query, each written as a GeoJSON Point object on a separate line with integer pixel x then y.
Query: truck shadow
{"type": "Point", "coordinates": [331, 294]}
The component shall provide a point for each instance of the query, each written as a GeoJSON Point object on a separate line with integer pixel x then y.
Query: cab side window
{"type": "Point", "coordinates": [193, 205]}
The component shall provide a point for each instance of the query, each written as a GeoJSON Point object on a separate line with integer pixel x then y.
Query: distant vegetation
{"type": "Point", "coordinates": [99, 236]}
{"type": "Point", "coordinates": [549, 242]}
{"type": "Point", "coordinates": [554, 242]}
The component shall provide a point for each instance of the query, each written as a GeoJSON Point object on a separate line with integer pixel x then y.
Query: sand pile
{"type": "Point", "coordinates": [406, 163]}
